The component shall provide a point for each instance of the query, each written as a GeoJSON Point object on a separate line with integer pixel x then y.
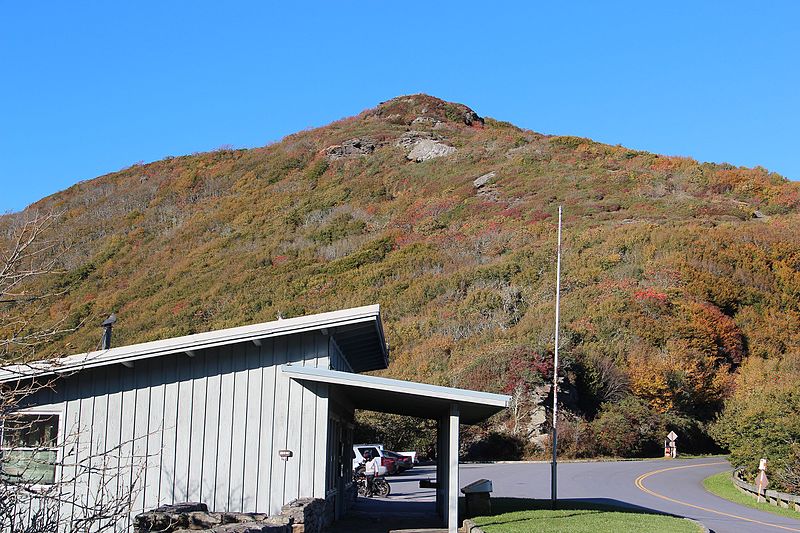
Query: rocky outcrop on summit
{"type": "Point", "coordinates": [429, 122]}
{"type": "Point", "coordinates": [423, 109]}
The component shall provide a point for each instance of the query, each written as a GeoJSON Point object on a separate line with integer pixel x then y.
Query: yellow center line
{"type": "Point", "coordinates": [640, 485]}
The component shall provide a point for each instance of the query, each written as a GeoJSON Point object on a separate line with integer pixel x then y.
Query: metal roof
{"type": "Point", "coordinates": [404, 397]}
{"type": "Point", "coordinates": [357, 331]}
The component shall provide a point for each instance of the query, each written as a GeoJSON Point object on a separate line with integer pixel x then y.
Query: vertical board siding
{"type": "Point", "coordinates": [113, 429]}
{"type": "Point", "coordinates": [291, 484]}
{"type": "Point", "coordinates": [238, 432]}
{"type": "Point", "coordinates": [279, 421]}
{"type": "Point", "coordinates": [308, 419]}
{"type": "Point", "coordinates": [183, 424]}
{"type": "Point", "coordinates": [204, 428]}
{"type": "Point", "coordinates": [127, 382]}
{"type": "Point", "coordinates": [198, 426]}
{"type": "Point", "coordinates": [252, 435]}
{"type": "Point", "coordinates": [83, 439]}
{"type": "Point", "coordinates": [97, 431]}
{"type": "Point", "coordinates": [169, 434]}
{"type": "Point", "coordinates": [155, 435]}
{"type": "Point", "coordinates": [213, 390]}
{"type": "Point", "coordinates": [70, 427]}
{"type": "Point", "coordinates": [220, 500]}
{"type": "Point", "coordinates": [266, 455]}
{"type": "Point", "coordinates": [143, 465]}
{"type": "Point", "coordinates": [320, 423]}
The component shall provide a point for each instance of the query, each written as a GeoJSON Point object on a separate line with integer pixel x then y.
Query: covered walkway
{"type": "Point", "coordinates": [408, 507]}
{"type": "Point", "coordinates": [448, 406]}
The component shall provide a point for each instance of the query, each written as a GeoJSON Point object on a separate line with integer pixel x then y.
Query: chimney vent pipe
{"type": "Point", "coordinates": [107, 324]}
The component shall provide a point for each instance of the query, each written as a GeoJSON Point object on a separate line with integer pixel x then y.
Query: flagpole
{"type": "Point", "coordinates": [554, 464]}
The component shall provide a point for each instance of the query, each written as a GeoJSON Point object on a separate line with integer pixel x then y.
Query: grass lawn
{"type": "Point", "coordinates": [722, 485]}
{"type": "Point", "coordinates": [514, 515]}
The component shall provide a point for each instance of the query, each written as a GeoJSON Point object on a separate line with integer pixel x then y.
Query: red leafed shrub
{"type": "Point", "coordinates": [527, 370]}
{"type": "Point", "coordinates": [537, 216]}
{"type": "Point", "coordinates": [650, 295]}
{"type": "Point", "coordinates": [512, 212]}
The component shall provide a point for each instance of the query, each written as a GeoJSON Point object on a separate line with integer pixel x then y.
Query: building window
{"type": "Point", "coordinates": [29, 452]}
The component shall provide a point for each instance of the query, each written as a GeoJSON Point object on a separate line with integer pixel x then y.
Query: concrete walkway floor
{"type": "Point", "coordinates": [408, 509]}
{"type": "Point", "coordinates": [382, 515]}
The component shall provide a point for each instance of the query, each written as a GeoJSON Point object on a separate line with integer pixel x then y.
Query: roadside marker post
{"type": "Point", "coordinates": [670, 448]}
{"type": "Point", "coordinates": [761, 479]}
{"type": "Point", "coordinates": [761, 483]}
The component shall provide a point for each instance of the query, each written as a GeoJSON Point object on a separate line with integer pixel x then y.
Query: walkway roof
{"type": "Point", "coordinates": [404, 397]}
{"type": "Point", "coordinates": [358, 332]}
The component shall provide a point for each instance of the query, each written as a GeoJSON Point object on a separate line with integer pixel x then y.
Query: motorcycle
{"type": "Point", "coordinates": [380, 487]}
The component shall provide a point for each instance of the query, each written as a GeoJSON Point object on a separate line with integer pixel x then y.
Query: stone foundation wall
{"type": "Point", "coordinates": [305, 515]}
{"type": "Point", "coordinates": [308, 513]}
{"type": "Point", "coordinates": [330, 509]}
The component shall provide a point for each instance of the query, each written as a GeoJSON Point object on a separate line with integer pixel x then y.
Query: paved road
{"type": "Point", "coordinates": [668, 486]}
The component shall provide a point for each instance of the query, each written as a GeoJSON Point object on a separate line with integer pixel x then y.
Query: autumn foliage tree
{"type": "Point", "coordinates": [762, 420]}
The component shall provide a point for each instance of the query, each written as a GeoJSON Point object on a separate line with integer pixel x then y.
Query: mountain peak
{"type": "Point", "coordinates": [417, 108]}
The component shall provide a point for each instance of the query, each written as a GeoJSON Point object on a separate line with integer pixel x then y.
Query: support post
{"type": "Point", "coordinates": [452, 482]}
{"type": "Point", "coordinates": [441, 467]}
{"type": "Point", "coordinates": [554, 464]}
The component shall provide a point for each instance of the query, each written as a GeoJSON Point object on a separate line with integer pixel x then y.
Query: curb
{"type": "Point", "coordinates": [702, 526]}
{"type": "Point", "coordinates": [470, 527]}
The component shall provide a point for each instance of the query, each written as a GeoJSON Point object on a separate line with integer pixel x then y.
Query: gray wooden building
{"type": "Point", "coordinates": [210, 417]}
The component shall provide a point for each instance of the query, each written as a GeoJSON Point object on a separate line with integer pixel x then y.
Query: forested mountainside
{"type": "Point", "coordinates": [678, 276]}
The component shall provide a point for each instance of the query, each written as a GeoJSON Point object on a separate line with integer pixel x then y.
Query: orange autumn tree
{"type": "Point", "coordinates": [691, 372]}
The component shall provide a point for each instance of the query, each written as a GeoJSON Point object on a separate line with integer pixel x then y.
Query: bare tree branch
{"type": "Point", "coordinates": [48, 481]}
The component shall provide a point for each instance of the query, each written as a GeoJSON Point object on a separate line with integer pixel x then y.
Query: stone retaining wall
{"type": "Point", "coordinates": [780, 499]}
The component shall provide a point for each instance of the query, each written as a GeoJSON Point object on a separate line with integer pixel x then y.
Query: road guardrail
{"type": "Point", "coordinates": [779, 499]}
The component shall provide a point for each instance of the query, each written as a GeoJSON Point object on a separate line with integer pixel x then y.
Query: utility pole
{"type": "Point", "coordinates": [554, 465]}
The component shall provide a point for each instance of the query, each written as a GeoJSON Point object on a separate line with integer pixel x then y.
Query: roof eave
{"type": "Point", "coordinates": [483, 401]}
{"type": "Point", "coordinates": [198, 341]}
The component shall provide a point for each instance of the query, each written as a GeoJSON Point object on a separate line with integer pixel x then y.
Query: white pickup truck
{"type": "Point", "coordinates": [413, 456]}
{"type": "Point", "coordinates": [374, 449]}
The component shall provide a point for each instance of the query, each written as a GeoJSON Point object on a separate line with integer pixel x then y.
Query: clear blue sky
{"type": "Point", "coordinates": [91, 87]}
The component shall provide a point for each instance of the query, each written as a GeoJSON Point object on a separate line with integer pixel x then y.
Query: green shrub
{"type": "Point", "coordinates": [764, 425]}
{"type": "Point", "coordinates": [629, 428]}
{"type": "Point", "coordinates": [496, 446]}
{"type": "Point", "coordinates": [338, 228]}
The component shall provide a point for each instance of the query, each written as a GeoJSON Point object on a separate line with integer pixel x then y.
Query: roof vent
{"type": "Point", "coordinates": [107, 324]}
